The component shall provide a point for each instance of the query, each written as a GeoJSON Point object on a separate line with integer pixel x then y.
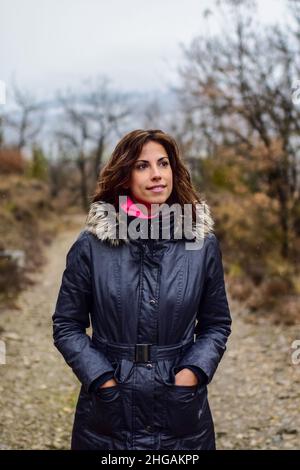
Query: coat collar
{"type": "Point", "coordinates": [105, 229]}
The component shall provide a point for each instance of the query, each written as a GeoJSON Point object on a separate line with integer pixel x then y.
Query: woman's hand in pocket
{"type": "Point", "coordinates": [186, 377]}
{"type": "Point", "coordinates": [109, 383]}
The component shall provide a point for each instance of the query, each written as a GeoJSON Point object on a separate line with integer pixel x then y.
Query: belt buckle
{"type": "Point", "coordinates": [142, 352]}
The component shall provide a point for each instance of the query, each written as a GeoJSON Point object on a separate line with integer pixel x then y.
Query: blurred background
{"type": "Point", "coordinates": [223, 78]}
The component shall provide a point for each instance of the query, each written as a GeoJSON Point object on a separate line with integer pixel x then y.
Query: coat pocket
{"type": "Point", "coordinates": [106, 411]}
{"type": "Point", "coordinates": [186, 409]}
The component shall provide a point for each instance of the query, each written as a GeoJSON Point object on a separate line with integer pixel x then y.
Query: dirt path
{"type": "Point", "coordinates": [255, 394]}
{"type": "Point", "coordinates": [37, 389]}
{"type": "Point", "coordinates": [254, 397]}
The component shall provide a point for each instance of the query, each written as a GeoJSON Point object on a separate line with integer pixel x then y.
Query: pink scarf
{"type": "Point", "coordinates": [131, 209]}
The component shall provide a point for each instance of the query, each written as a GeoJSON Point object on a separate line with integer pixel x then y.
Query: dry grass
{"type": "Point", "coordinates": [28, 222]}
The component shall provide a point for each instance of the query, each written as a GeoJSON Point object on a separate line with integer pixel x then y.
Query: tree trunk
{"type": "Point", "coordinates": [83, 182]}
{"type": "Point", "coordinates": [98, 158]}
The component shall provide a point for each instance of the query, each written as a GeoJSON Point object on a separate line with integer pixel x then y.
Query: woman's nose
{"type": "Point", "coordinates": [155, 172]}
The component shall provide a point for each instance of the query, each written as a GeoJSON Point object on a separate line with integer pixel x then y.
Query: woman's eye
{"type": "Point", "coordinates": [165, 163]}
{"type": "Point", "coordinates": [141, 166]}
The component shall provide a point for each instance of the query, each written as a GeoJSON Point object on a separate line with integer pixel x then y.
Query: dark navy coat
{"type": "Point", "coordinates": [142, 292]}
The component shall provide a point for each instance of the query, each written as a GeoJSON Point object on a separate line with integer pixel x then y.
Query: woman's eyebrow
{"type": "Point", "coordinates": [147, 161]}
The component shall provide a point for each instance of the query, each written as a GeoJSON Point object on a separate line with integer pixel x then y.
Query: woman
{"type": "Point", "coordinates": [157, 306]}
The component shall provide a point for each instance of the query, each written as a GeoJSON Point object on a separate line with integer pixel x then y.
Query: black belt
{"type": "Point", "coordinates": [142, 352]}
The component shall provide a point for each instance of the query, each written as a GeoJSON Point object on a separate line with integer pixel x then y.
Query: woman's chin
{"type": "Point", "coordinates": [159, 199]}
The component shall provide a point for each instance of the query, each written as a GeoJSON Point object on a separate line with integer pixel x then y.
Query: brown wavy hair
{"type": "Point", "coordinates": [117, 171]}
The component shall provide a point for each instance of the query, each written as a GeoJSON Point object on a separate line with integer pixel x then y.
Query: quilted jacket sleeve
{"type": "Point", "coordinates": [213, 317]}
{"type": "Point", "coordinates": [71, 317]}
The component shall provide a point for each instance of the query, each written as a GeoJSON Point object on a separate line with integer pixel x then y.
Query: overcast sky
{"type": "Point", "coordinates": [51, 44]}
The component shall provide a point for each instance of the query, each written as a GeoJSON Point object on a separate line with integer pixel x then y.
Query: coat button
{"type": "Point", "coordinates": [149, 366]}
{"type": "Point", "coordinates": [152, 302]}
{"type": "Point", "coordinates": [149, 428]}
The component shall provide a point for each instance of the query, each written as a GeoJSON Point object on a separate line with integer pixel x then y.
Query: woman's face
{"type": "Point", "coordinates": [151, 169]}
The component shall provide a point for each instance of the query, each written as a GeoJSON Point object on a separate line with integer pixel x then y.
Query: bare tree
{"type": "Point", "coordinates": [106, 111]}
{"type": "Point", "coordinates": [236, 92]}
{"type": "Point", "coordinates": [27, 120]}
{"type": "Point", "coordinates": [75, 136]}
{"type": "Point", "coordinates": [90, 118]}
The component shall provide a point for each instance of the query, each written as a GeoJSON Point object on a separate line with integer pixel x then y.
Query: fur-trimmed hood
{"type": "Point", "coordinates": [105, 227]}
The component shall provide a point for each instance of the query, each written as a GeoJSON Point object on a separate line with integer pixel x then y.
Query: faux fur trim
{"type": "Point", "coordinates": [105, 229]}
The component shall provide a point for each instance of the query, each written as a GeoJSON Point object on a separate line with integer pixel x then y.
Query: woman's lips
{"type": "Point", "coordinates": [158, 189]}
